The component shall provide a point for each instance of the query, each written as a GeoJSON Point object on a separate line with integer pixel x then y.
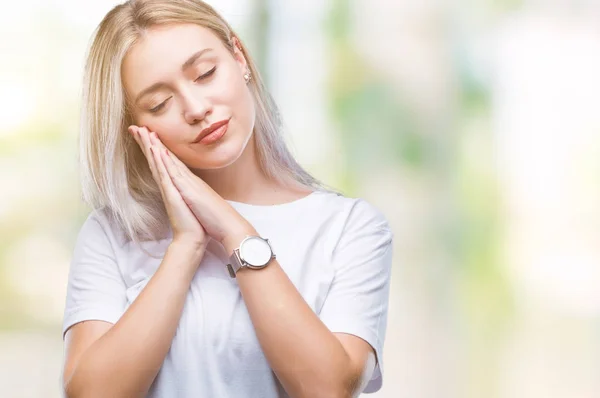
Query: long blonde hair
{"type": "Point", "coordinates": [114, 172]}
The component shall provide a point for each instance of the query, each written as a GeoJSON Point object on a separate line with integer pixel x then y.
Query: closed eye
{"type": "Point", "coordinates": [207, 74]}
{"type": "Point", "coordinates": [159, 106]}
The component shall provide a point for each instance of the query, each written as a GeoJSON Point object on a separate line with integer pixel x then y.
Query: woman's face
{"type": "Point", "coordinates": [180, 80]}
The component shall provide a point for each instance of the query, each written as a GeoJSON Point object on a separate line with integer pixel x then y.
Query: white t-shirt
{"type": "Point", "coordinates": [336, 250]}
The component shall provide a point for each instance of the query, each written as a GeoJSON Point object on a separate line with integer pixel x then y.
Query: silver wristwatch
{"type": "Point", "coordinates": [254, 253]}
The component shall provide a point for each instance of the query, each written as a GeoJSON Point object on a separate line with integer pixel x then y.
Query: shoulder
{"type": "Point", "coordinates": [100, 224]}
{"type": "Point", "coordinates": [354, 212]}
{"type": "Point", "coordinates": [353, 220]}
{"type": "Point", "coordinates": [96, 223]}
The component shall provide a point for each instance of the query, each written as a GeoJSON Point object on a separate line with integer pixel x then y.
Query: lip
{"type": "Point", "coordinates": [210, 129]}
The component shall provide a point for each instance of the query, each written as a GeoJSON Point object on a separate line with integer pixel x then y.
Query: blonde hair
{"type": "Point", "coordinates": [114, 172]}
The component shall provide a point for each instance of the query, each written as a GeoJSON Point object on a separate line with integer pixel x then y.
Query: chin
{"type": "Point", "coordinates": [223, 154]}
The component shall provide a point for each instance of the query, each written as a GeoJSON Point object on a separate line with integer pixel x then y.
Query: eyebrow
{"type": "Point", "coordinates": [186, 65]}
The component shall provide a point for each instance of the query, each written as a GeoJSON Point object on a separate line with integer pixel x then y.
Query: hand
{"type": "Point", "coordinates": [219, 219]}
{"type": "Point", "coordinates": [184, 224]}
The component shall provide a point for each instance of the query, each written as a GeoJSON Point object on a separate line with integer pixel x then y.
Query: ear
{"type": "Point", "coordinates": [238, 54]}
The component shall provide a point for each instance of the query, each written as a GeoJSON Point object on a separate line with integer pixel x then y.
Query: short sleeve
{"type": "Point", "coordinates": [95, 287]}
{"type": "Point", "coordinates": [357, 301]}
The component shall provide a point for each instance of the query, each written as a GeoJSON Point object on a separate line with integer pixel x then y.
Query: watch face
{"type": "Point", "coordinates": [255, 251]}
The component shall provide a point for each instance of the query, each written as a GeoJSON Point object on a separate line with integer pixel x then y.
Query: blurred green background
{"type": "Point", "coordinates": [472, 125]}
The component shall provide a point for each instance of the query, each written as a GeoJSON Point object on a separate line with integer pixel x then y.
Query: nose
{"type": "Point", "coordinates": [195, 107]}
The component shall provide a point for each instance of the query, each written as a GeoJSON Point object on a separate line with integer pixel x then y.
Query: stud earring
{"type": "Point", "coordinates": [247, 76]}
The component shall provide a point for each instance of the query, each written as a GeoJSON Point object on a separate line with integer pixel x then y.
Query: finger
{"type": "Point", "coordinates": [156, 176]}
{"type": "Point", "coordinates": [135, 133]}
{"type": "Point", "coordinates": [137, 137]}
{"type": "Point", "coordinates": [145, 138]}
{"type": "Point", "coordinates": [183, 178]}
{"type": "Point", "coordinates": [158, 168]}
{"type": "Point", "coordinates": [165, 180]}
{"type": "Point", "coordinates": [153, 142]}
{"type": "Point", "coordinates": [177, 171]}
{"type": "Point", "coordinates": [179, 179]}
{"type": "Point", "coordinates": [143, 141]}
{"type": "Point", "coordinates": [156, 141]}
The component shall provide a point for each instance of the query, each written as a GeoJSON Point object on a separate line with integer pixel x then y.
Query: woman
{"type": "Point", "coordinates": [212, 265]}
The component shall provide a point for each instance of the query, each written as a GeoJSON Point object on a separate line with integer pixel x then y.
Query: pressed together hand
{"type": "Point", "coordinates": [195, 210]}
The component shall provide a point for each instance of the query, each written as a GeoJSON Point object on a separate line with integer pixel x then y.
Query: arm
{"type": "Point", "coordinates": [308, 359]}
{"type": "Point", "coordinates": [125, 359]}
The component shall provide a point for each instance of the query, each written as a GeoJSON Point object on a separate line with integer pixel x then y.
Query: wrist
{"type": "Point", "coordinates": [187, 247]}
{"type": "Point", "coordinates": [182, 258]}
{"type": "Point", "coordinates": [233, 239]}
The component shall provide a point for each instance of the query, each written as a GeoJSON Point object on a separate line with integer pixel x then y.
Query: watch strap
{"type": "Point", "coordinates": [235, 263]}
